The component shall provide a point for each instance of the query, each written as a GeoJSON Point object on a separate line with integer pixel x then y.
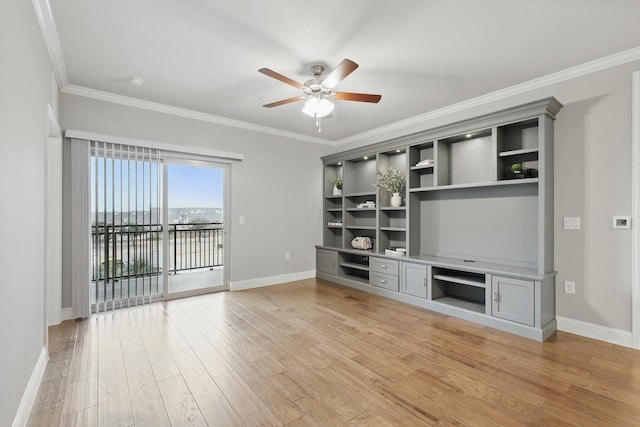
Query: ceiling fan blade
{"type": "Point", "coordinates": [278, 76]}
{"type": "Point", "coordinates": [361, 97]}
{"type": "Point", "coordinates": [343, 69]}
{"type": "Point", "coordinates": [284, 101]}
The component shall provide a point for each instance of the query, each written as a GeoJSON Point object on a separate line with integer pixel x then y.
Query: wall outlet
{"type": "Point", "coordinates": [287, 255]}
{"type": "Point", "coordinates": [241, 219]}
{"type": "Point", "coordinates": [569, 287]}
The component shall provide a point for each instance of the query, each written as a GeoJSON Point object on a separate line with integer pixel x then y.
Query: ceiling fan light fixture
{"type": "Point", "coordinates": [318, 107]}
{"type": "Point", "coordinates": [318, 92]}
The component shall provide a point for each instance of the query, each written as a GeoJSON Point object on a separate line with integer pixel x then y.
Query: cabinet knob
{"type": "Point", "coordinates": [383, 281]}
{"type": "Point", "coordinates": [496, 296]}
{"type": "Point", "coordinates": [383, 266]}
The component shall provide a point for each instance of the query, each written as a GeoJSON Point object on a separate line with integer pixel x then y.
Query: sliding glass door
{"type": "Point", "coordinates": [157, 226]}
{"type": "Point", "coordinates": [194, 243]}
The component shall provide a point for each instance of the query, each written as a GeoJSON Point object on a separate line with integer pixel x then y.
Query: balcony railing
{"type": "Point", "coordinates": [129, 251]}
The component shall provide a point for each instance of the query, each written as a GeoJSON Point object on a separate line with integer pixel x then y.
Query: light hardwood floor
{"type": "Point", "coordinates": [314, 353]}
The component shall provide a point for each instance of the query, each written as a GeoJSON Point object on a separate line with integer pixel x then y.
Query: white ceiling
{"type": "Point", "coordinates": [421, 55]}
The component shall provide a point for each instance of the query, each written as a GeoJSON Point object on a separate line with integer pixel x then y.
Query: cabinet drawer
{"type": "Point", "coordinates": [382, 265]}
{"type": "Point", "coordinates": [386, 281]}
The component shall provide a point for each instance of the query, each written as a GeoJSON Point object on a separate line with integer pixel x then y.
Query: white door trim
{"type": "Point", "coordinates": [52, 221]}
{"type": "Point", "coordinates": [635, 208]}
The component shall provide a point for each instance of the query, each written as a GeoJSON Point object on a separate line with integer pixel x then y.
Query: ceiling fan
{"type": "Point", "coordinates": [318, 92]}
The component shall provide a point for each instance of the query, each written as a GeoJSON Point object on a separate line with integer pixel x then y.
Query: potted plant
{"type": "Point", "coordinates": [337, 186]}
{"type": "Point", "coordinates": [517, 170]}
{"type": "Point", "coordinates": [394, 182]}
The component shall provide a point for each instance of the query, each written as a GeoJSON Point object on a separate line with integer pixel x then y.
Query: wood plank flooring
{"type": "Point", "coordinates": [311, 353]}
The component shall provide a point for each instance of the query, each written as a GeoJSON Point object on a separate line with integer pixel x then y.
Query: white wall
{"type": "Point", "coordinates": [277, 187]}
{"type": "Point", "coordinates": [25, 89]}
{"type": "Point", "coordinates": [592, 180]}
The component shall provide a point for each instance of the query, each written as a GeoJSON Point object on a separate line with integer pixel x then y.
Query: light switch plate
{"type": "Point", "coordinates": [572, 223]}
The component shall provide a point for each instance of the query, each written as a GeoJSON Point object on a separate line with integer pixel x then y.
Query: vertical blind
{"type": "Point", "coordinates": [80, 212]}
{"type": "Point", "coordinates": [126, 230]}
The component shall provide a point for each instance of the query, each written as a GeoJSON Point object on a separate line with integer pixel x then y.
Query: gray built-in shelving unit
{"type": "Point", "coordinates": [479, 237]}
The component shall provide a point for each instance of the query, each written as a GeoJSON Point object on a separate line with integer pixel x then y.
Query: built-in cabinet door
{"type": "Point", "coordinates": [513, 299]}
{"type": "Point", "coordinates": [414, 279]}
{"type": "Point", "coordinates": [327, 261]}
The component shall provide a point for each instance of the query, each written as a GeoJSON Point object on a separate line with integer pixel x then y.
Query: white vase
{"type": "Point", "coordinates": [337, 191]}
{"type": "Point", "coordinates": [396, 200]}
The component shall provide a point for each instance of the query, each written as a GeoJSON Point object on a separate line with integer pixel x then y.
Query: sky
{"type": "Point", "coordinates": [195, 186]}
{"type": "Point", "coordinates": [189, 186]}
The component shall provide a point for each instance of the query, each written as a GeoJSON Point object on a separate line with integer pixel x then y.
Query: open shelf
{"type": "Point", "coordinates": [360, 227]}
{"type": "Point", "coordinates": [355, 275]}
{"type": "Point", "coordinates": [476, 184]}
{"type": "Point", "coordinates": [331, 172]}
{"type": "Point", "coordinates": [462, 303]}
{"type": "Point", "coordinates": [354, 266]}
{"type": "Point", "coordinates": [361, 194]}
{"type": "Point", "coordinates": [464, 159]}
{"type": "Point", "coordinates": [392, 229]}
{"type": "Point", "coordinates": [462, 279]}
{"type": "Point", "coordinates": [518, 143]}
{"type": "Point", "coordinates": [518, 152]}
{"type": "Point", "coordinates": [425, 168]}
{"type": "Point", "coordinates": [459, 288]}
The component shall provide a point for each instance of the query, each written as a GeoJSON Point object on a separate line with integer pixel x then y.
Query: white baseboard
{"type": "Point", "coordinates": [66, 314]}
{"type": "Point", "coordinates": [597, 332]}
{"type": "Point", "coordinates": [273, 280]}
{"type": "Point", "coordinates": [29, 396]}
{"type": "Point", "coordinates": [63, 314]}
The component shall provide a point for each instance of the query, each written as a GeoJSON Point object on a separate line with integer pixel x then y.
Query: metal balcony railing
{"type": "Point", "coordinates": [129, 251]}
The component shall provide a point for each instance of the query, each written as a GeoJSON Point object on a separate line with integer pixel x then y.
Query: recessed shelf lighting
{"type": "Point", "coordinates": [365, 157]}
{"type": "Point", "coordinates": [339, 163]}
{"type": "Point", "coordinates": [398, 150]}
{"type": "Point", "coordinates": [468, 135]}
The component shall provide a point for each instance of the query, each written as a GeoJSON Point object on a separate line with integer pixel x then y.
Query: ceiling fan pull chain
{"type": "Point", "coordinates": [318, 123]}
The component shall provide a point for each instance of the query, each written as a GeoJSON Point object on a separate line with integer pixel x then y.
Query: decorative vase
{"type": "Point", "coordinates": [337, 191]}
{"type": "Point", "coordinates": [396, 200]}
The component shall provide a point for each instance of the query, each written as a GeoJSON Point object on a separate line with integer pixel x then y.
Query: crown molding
{"type": "Point", "coordinates": [600, 64]}
{"type": "Point", "coordinates": [51, 40]}
{"type": "Point", "coordinates": [183, 112]}
{"type": "Point", "coordinates": [50, 34]}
